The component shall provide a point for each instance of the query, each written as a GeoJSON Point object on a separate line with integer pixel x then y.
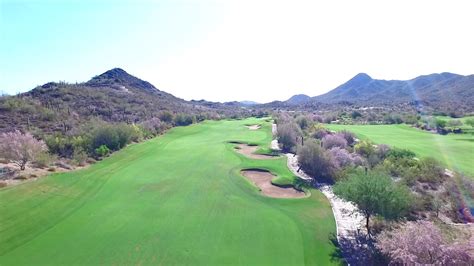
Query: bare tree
{"type": "Point", "coordinates": [20, 148]}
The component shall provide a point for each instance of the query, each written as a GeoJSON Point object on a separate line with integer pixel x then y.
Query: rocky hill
{"type": "Point", "coordinates": [114, 96]}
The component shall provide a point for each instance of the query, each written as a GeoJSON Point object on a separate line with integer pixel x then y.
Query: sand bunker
{"type": "Point", "coordinates": [263, 180]}
{"type": "Point", "coordinates": [253, 127]}
{"type": "Point", "coordinates": [249, 151]}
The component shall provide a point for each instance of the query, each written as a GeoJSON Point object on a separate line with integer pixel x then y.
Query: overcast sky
{"type": "Point", "coordinates": [233, 50]}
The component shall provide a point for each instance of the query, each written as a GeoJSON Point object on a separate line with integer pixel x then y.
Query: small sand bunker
{"type": "Point", "coordinates": [249, 151]}
{"type": "Point", "coordinates": [253, 127]}
{"type": "Point", "coordinates": [263, 180]}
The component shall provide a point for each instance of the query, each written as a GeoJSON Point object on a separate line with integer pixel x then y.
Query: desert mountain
{"type": "Point", "coordinates": [298, 99]}
{"type": "Point", "coordinates": [442, 91]}
{"type": "Point", "coordinates": [114, 96]}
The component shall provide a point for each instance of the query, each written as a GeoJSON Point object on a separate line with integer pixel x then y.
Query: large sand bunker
{"type": "Point", "coordinates": [263, 180]}
{"type": "Point", "coordinates": [249, 151]}
{"type": "Point", "coordinates": [253, 127]}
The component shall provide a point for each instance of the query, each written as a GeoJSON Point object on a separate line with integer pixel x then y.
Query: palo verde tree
{"type": "Point", "coordinates": [374, 194]}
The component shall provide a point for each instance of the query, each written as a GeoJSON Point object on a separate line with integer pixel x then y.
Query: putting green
{"type": "Point", "coordinates": [456, 151]}
{"type": "Point", "coordinates": [177, 199]}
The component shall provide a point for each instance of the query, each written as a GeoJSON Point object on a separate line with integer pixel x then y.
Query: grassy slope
{"type": "Point", "coordinates": [455, 151]}
{"type": "Point", "coordinates": [176, 199]}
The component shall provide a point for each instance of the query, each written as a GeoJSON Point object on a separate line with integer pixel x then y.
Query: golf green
{"type": "Point", "coordinates": [456, 151]}
{"type": "Point", "coordinates": [178, 199]}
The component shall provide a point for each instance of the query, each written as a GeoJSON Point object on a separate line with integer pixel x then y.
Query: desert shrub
{"type": "Point", "coordinates": [469, 122]}
{"type": "Point", "coordinates": [126, 134]}
{"type": "Point", "coordinates": [400, 166]}
{"type": "Point", "coordinates": [45, 159]}
{"type": "Point", "coordinates": [302, 121]}
{"type": "Point", "coordinates": [421, 243]}
{"type": "Point", "coordinates": [60, 145]}
{"type": "Point", "coordinates": [397, 153]}
{"type": "Point", "coordinates": [166, 117]}
{"type": "Point", "coordinates": [410, 119]}
{"type": "Point", "coordinates": [330, 141]}
{"type": "Point", "coordinates": [430, 171]}
{"type": "Point", "coordinates": [454, 123]}
{"type": "Point", "coordinates": [153, 127]}
{"type": "Point", "coordinates": [102, 151]}
{"type": "Point", "coordinates": [382, 150]}
{"type": "Point", "coordinates": [114, 137]}
{"type": "Point", "coordinates": [315, 161]}
{"type": "Point", "coordinates": [318, 132]}
{"type": "Point", "coordinates": [288, 134]}
{"type": "Point", "coordinates": [105, 136]}
{"type": "Point", "coordinates": [393, 119]}
{"type": "Point", "coordinates": [341, 158]}
{"type": "Point", "coordinates": [375, 194]}
{"type": "Point", "coordinates": [365, 148]}
{"type": "Point", "coordinates": [318, 118]}
{"type": "Point", "coordinates": [379, 154]}
{"type": "Point", "coordinates": [348, 136]}
{"type": "Point", "coordinates": [79, 157]}
{"type": "Point", "coordinates": [355, 114]}
{"type": "Point", "coordinates": [183, 120]}
{"type": "Point", "coordinates": [440, 123]}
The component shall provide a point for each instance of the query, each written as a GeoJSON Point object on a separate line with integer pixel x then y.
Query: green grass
{"type": "Point", "coordinates": [466, 128]}
{"type": "Point", "coordinates": [175, 200]}
{"type": "Point", "coordinates": [456, 151]}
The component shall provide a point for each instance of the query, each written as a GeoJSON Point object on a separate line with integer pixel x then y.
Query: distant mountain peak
{"type": "Point", "coordinates": [298, 99]}
{"type": "Point", "coordinates": [249, 103]}
{"type": "Point", "coordinates": [360, 78]}
{"type": "Point", "coordinates": [120, 77]}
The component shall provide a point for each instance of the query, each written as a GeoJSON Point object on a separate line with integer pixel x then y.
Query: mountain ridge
{"type": "Point", "coordinates": [437, 91]}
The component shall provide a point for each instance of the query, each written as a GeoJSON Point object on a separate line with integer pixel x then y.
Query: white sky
{"type": "Point", "coordinates": [264, 51]}
{"type": "Point", "coordinates": [236, 50]}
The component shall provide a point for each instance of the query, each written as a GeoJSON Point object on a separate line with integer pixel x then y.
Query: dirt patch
{"type": "Point", "coordinates": [249, 151]}
{"type": "Point", "coordinates": [15, 176]}
{"type": "Point", "coordinates": [263, 180]}
{"type": "Point", "coordinates": [253, 127]}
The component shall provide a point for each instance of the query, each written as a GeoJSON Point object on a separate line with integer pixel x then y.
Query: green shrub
{"type": "Point", "coordinates": [183, 120]}
{"type": "Point", "coordinates": [102, 151]}
{"type": "Point", "coordinates": [375, 194]}
{"type": "Point", "coordinates": [365, 148]}
{"type": "Point", "coordinates": [315, 161]}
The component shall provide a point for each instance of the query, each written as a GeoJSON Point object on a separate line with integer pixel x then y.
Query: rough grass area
{"type": "Point", "coordinates": [178, 199]}
{"type": "Point", "coordinates": [456, 151]}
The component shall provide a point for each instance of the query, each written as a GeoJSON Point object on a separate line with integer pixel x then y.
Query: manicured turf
{"type": "Point", "coordinates": [177, 199]}
{"type": "Point", "coordinates": [456, 151]}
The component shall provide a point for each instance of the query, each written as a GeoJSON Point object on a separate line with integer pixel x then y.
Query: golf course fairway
{"type": "Point", "coordinates": [455, 151]}
{"type": "Point", "coordinates": [178, 199]}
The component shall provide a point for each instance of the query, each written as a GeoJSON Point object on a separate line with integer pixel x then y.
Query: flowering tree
{"type": "Point", "coordinates": [342, 158]}
{"type": "Point", "coordinates": [421, 242]}
{"type": "Point", "coordinates": [20, 148]}
{"type": "Point", "coordinates": [330, 141]}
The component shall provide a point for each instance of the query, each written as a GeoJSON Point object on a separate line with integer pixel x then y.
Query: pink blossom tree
{"type": "Point", "coordinates": [421, 242]}
{"type": "Point", "coordinates": [330, 141]}
{"type": "Point", "coordinates": [20, 148]}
